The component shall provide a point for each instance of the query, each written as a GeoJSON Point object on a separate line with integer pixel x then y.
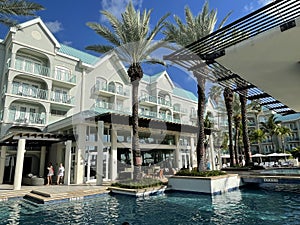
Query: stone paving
{"type": "Point", "coordinates": [52, 192]}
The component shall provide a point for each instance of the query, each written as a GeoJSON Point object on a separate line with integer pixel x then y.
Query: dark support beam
{"type": "Point", "coordinates": [263, 95]}
{"type": "Point", "coordinates": [288, 25]}
{"type": "Point", "coordinates": [278, 107]}
{"type": "Point", "coordinates": [243, 88]}
{"type": "Point", "coordinates": [232, 76]}
{"type": "Point", "coordinates": [269, 103]}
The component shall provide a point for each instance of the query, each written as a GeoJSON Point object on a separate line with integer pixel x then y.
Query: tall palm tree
{"type": "Point", "coordinates": [14, 8]}
{"type": "Point", "coordinates": [132, 40]}
{"type": "Point", "coordinates": [270, 127]}
{"type": "Point", "coordinates": [257, 136]}
{"type": "Point", "coordinates": [183, 34]}
{"type": "Point", "coordinates": [215, 93]}
{"type": "Point", "coordinates": [282, 132]}
{"type": "Point", "coordinates": [228, 97]}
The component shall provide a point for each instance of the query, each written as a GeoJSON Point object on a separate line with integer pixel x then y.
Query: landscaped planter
{"type": "Point", "coordinates": [209, 185]}
{"type": "Point", "coordinates": [139, 192]}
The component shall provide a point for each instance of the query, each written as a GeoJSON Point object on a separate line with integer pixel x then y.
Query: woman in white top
{"type": "Point", "coordinates": [60, 174]}
{"type": "Point", "coordinates": [50, 173]}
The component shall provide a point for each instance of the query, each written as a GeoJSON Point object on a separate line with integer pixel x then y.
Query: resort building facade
{"type": "Point", "coordinates": [59, 104]}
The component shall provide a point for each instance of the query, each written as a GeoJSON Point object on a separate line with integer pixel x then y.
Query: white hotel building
{"type": "Point", "coordinates": [56, 101]}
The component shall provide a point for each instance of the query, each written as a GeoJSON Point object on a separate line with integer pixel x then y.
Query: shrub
{"type": "Point", "coordinates": [138, 184]}
{"type": "Point", "coordinates": [208, 173]}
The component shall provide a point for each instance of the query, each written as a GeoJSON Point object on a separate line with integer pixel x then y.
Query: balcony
{"type": "Point", "coordinates": [177, 109]}
{"type": "Point", "coordinates": [110, 90]}
{"type": "Point", "coordinates": [164, 102]}
{"type": "Point", "coordinates": [29, 91]}
{"type": "Point", "coordinates": [165, 117]}
{"type": "Point", "coordinates": [104, 107]}
{"type": "Point", "coordinates": [148, 114]}
{"type": "Point", "coordinates": [16, 116]}
{"type": "Point", "coordinates": [62, 98]}
{"type": "Point", "coordinates": [32, 67]}
{"type": "Point", "coordinates": [148, 100]}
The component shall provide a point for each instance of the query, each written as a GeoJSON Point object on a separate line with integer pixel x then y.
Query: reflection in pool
{"type": "Point", "coordinates": [245, 206]}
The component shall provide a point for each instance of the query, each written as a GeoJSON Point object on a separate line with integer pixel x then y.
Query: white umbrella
{"type": "Point", "coordinates": [273, 154]}
{"type": "Point", "coordinates": [258, 155]}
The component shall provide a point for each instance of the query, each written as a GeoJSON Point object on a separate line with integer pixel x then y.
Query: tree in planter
{"type": "Point", "coordinates": [183, 34]}
{"type": "Point", "coordinates": [132, 41]}
{"type": "Point", "coordinates": [228, 98]}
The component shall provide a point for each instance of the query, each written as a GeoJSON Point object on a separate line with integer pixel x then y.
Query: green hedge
{"type": "Point", "coordinates": [208, 173]}
{"type": "Point", "coordinates": [138, 184]}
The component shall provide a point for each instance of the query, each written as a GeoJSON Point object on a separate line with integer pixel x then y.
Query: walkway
{"type": "Point", "coordinates": [53, 193]}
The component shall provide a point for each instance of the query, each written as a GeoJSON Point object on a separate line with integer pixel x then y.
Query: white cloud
{"type": "Point", "coordinates": [258, 4]}
{"type": "Point", "coordinates": [69, 43]}
{"type": "Point", "coordinates": [262, 3]}
{"type": "Point", "coordinates": [54, 27]}
{"type": "Point", "coordinates": [116, 7]}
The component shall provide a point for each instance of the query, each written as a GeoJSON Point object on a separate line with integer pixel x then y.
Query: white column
{"type": "Point", "coordinates": [42, 161]}
{"type": "Point", "coordinates": [177, 152]}
{"type": "Point", "coordinates": [113, 154]}
{"type": "Point", "coordinates": [68, 154]}
{"type": "Point", "coordinates": [2, 163]}
{"type": "Point", "coordinates": [212, 153]}
{"type": "Point", "coordinates": [19, 164]}
{"type": "Point", "coordinates": [79, 157]}
{"type": "Point", "coordinates": [193, 162]}
{"type": "Point", "coordinates": [100, 146]}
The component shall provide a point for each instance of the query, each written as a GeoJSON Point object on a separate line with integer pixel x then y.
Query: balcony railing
{"type": "Point", "coordinates": [111, 89]}
{"type": "Point", "coordinates": [179, 109]}
{"type": "Point", "coordinates": [29, 91]}
{"type": "Point", "coordinates": [148, 98]}
{"type": "Point", "coordinates": [61, 98]}
{"type": "Point", "coordinates": [163, 101]}
{"type": "Point", "coordinates": [37, 69]}
{"type": "Point", "coordinates": [26, 117]}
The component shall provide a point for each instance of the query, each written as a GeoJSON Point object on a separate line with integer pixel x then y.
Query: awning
{"type": "Point", "coordinates": [257, 56]}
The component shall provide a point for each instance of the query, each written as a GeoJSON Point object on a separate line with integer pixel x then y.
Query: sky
{"type": "Point", "coordinates": [67, 19]}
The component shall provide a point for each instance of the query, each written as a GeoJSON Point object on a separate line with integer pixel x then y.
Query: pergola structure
{"type": "Point", "coordinates": [257, 56]}
{"type": "Point", "coordinates": [24, 140]}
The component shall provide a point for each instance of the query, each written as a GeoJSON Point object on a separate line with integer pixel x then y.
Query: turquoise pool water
{"type": "Point", "coordinates": [238, 207]}
{"type": "Point", "coordinates": [282, 171]}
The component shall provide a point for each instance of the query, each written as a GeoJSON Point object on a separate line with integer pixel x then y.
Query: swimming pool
{"type": "Point", "coordinates": [282, 171]}
{"type": "Point", "coordinates": [238, 207]}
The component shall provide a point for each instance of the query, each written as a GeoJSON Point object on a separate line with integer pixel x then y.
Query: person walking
{"type": "Point", "coordinates": [60, 174]}
{"type": "Point", "coordinates": [50, 173]}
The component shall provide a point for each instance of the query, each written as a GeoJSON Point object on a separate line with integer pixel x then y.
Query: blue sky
{"type": "Point", "coordinates": [67, 18]}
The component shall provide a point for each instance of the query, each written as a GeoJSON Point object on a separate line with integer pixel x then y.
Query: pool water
{"type": "Point", "coordinates": [281, 171]}
{"type": "Point", "coordinates": [245, 206]}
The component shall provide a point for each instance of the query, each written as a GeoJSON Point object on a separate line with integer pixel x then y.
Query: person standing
{"type": "Point", "coordinates": [60, 174]}
{"type": "Point", "coordinates": [50, 173]}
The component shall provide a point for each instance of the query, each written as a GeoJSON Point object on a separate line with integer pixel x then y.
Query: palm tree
{"type": "Point", "coordinates": [215, 93]}
{"type": "Point", "coordinates": [282, 131]}
{"type": "Point", "coordinates": [14, 8]}
{"type": "Point", "coordinates": [183, 34]}
{"type": "Point", "coordinates": [132, 40]}
{"type": "Point", "coordinates": [257, 136]}
{"type": "Point", "coordinates": [228, 97]}
{"type": "Point", "coordinates": [270, 127]}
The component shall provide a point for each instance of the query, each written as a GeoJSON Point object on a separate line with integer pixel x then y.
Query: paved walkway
{"type": "Point", "coordinates": [51, 192]}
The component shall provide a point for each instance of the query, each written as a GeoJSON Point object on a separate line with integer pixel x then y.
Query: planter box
{"type": "Point", "coordinates": [139, 192]}
{"type": "Point", "coordinates": [209, 185]}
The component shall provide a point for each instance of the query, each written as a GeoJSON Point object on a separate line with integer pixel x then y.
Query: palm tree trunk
{"type": "Point", "coordinates": [246, 142]}
{"type": "Point", "coordinates": [236, 139]}
{"type": "Point", "coordinates": [201, 161]}
{"type": "Point", "coordinates": [228, 97]}
{"type": "Point", "coordinates": [135, 73]}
